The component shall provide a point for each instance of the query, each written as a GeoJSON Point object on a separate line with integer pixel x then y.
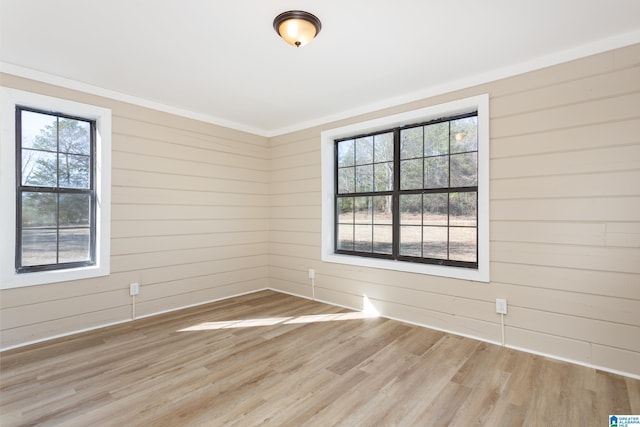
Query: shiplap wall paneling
{"type": "Point", "coordinates": [565, 219]}
{"type": "Point", "coordinates": [189, 224]}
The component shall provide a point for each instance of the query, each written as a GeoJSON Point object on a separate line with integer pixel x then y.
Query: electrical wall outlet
{"type": "Point", "coordinates": [312, 273]}
{"type": "Point", "coordinates": [134, 289]}
{"type": "Point", "coordinates": [501, 306]}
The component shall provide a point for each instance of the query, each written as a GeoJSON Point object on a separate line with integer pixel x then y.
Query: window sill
{"type": "Point", "coordinates": [478, 275]}
{"type": "Point", "coordinates": [43, 277]}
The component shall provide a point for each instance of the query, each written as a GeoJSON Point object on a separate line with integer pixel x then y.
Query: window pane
{"type": "Point", "coordinates": [74, 136]}
{"type": "Point", "coordinates": [464, 170]}
{"type": "Point", "coordinates": [345, 226]}
{"type": "Point", "coordinates": [384, 176]}
{"type": "Point", "coordinates": [74, 245]}
{"type": "Point", "coordinates": [363, 238]}
{"type": "Point", "coordinates": [346, 180]}
{"type": "Point", "coordinates": [364, 210]}
{"type": "Point", "coordinates": [345, 209]}
{"type": "Point", "coordinates": [464, 135]}
{"type": "Point", "coordinates": [464, 209]}
{"type": "Point", "coordinates": [411, 209]}
{"type": "Point", "coordinates": [346, 153]}
{"type": "Point", "coordinates": [435, 209]}
{"type": "Point", "coordinates": [463, 244]}
{"type": "Point", "coordinates": [39, 246]}
{"type": "Point", "coordinates": [75, 210]}
{"type": "Point", "coordinates": [74, 171]}
{"type": "Point", "coordinates": [436, 139]}
{"type": "Point", "coordinates": [364, 150]}
{"type": "Point", "coordinates": [345, 237]}
{"type": "Point", "coordinates": [382, 210]}
{"type": "Point", "coordinates": [411, 241]}
{"type": "Point", "coordinates": [39, 210]}
{"type": "Point", "coordinates": [364, 178]}
{"type": "Point", "coordinates": [435, 242]}
{"type": "Point", "coordinates": [411, 174]}
{"type": "Point", "coordinates": [39, 168]}
{"type": "Point", "coordinates": [383, 145]}
{"type": "Point", "coordinates": [382, 239]}
{"type": "Point", "coordinates": [411, 143]}
{"type": "Point", "coordinates": [39, 131]}
{"type": "Point", "coordinates": [436, 172]}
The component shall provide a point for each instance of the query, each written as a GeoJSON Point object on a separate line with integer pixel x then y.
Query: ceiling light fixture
{"type": "Point", "coordinates": [296, 27]}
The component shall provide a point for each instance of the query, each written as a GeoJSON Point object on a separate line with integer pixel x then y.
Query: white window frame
{"type": "Point", "coordinates": [9, 98]}
{"type": "Point", "coordinates": [478, 103]}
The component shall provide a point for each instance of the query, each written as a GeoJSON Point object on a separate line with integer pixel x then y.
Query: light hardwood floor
{"type": "Point", "coordinates": [271, 358]}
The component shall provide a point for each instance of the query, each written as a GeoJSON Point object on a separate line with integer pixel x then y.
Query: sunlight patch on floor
{"type": "Point", "coordinates": [270, 321]}
{"type": "Point", "coordinates": [315, 318]}
{"type": "Point", "coordinates": [368, 308]}
{"type": "Point", "coordinates": [231, 324]}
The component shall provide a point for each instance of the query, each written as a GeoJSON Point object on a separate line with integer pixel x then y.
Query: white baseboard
{"type": "Point", "coordinates": [119, 322]}
{"type": "Point", "coordinates": [523, 349]}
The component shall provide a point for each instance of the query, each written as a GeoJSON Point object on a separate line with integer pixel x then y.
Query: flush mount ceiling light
{"type": "Point", "coordinates": [296, 27]}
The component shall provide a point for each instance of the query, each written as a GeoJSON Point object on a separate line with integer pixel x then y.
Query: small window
{"type": "Point", "coordinates": [55, 215]}
{"type": "Point", "coordinates": [427, 212]}
{"type": "Point", "coordinates": [55, 189]}
{"type": "Point", "coordinates": [410, 192]}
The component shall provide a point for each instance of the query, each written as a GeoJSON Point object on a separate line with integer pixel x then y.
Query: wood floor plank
{"type": "Point", "coordinates": [633, 388]}
{"type": "Point", "coordinates": [272, 358]}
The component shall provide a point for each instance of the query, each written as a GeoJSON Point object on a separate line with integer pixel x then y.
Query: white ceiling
{"type": "Point", "coordinates": [221, 61]}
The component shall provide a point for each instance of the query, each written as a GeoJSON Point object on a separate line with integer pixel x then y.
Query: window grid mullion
{"type": "Point", "coordinates": [424, 184]}
{"type": "Point", "coordinates": [57, 190]}
{"type": "Point", "coordinates": [395, 217]}
{"type": "Point", "coordinates": [422, 225]}
{"type": "Point", "coordinates": [57, 227]}
{"type": "Point", "coordinates": [449, 194]}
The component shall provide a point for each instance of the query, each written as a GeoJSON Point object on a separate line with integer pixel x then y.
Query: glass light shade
{"type": "Point", "coordinates": [297, 32]}
{"type": "Point", "coordinates": [296, 27]}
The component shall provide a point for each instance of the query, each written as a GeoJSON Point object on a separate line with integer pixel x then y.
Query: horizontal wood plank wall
{"type": "Point", "coordinates": [565, 219]}
{"type": "Point", "coordinates": [189, 223]}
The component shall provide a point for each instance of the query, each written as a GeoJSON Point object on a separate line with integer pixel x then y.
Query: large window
{"type": "Point", "coordinates": [55, 182]}
{"type": "Point", "coordinates": [427, 211]}
{"type": "Point", "coordinates": [55, 201]}
{"type": "Point", "coordinates": [410, 192]}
